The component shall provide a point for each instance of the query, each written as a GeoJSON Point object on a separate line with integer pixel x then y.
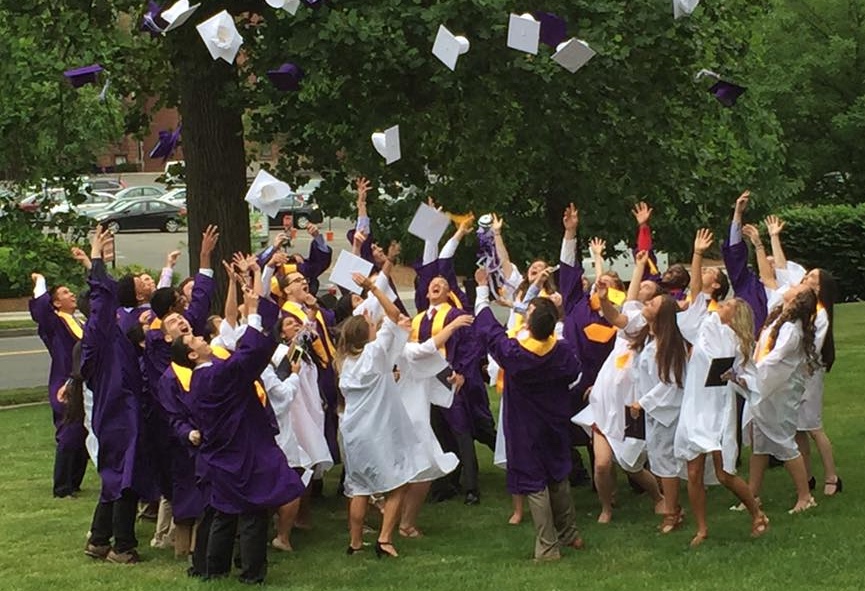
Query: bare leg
{"type": "Point", "coordinates": [390, 517]}
{"type": "Point", "coordinates": [415, 494]}
{"type": "Point", "coordinates": [697, 495]}
{"type": "Point", "coordinates": [804, 445]}
{"type": "Point", "coordinates": [673, 512]}
{"type": "Point", "coordinates": [649, 483]}
{"type": "Point", "coordinates": [757, 468]}
{"type": "Point", "coordinates": [304, 511]}
{"type": "Point", "coordinates": [830, 473]}
{"type": "Point", "coordinates": [605, 478]}
{"type": "Point", "coordinates": [733, 483]}
{"type": "Point", "coordinates": [517, 516]}
{"type": "Point", "coordinates": [356, 513]}
{"type": "Point", "coordinates": [804, 500]}
{"type": "Point", "coordinates": [285, 517]}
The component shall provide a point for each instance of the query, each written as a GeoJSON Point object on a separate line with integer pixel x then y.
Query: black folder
{"type": "Point", "coordinates": [719, 367]}
{"type": "Point", "coordinates": [635, 428]}
{"type": "Point", "coordinates": [443, 376]}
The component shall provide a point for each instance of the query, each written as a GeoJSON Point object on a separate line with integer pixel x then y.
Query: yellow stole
{"type": "Point", "coordinates": [156, 324]}
{"type": "Point", "coordinates": [323, 347]}
{"type": "Point", "coordinates": [71, 323]}
{"type": "Point", "coordinates": [438, 324]}
{"type": "Point", "coordinates": [539, 348]}
{"type": "Point", "coordinates": [184, 374]}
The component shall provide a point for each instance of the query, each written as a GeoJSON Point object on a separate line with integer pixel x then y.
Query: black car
{"type": "Point", "coordinates": [142, 214]}
{"type": "Point", "coordinates": [303, 212]}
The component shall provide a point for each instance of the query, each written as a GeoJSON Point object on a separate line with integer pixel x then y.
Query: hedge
{"type": "Point", "coordinates": [831, 237]}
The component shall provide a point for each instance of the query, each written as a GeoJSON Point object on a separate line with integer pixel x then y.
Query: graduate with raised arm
{"type": "Point", "coordinates": [382, 451]}
{"type": "Point", "coordinates": [53, 312]}
{"type": "Point", "coordinates": [247, 471]}
{"type": "Point", "coordinates": [784, 357]}
{"type": "Point", "coordinates": [675, 278]}
{"type": "Point", "coordinates": [133, 297]}
{"type": "Point", "coordinates": [746, 284]}
{"type": "Point", "coordinates": [170, 306]}
{"type": "Point", "coordinates": [540, 370]}
{"type": "Point", "coordinates": [353, 304]}
{"type": "Point", "coordinates": [435, 264]}
{"type": "Point", "coordinates": [708, 419]}
{"type": "Point", "coordinates": [614, 390]}
{"type": "Point", "coordinates": [110, 366]}
{"type": "Point", "coordinates": [311, 267]}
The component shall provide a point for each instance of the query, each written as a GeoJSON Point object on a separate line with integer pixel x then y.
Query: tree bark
{"type": "Point", "coordinates": [214, 152]}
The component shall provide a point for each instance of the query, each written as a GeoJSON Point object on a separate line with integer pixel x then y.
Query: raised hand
{"type": "Point", "coordinates": [498, 223]}
{"type": "Point", "coordinates": [543, 276]}
{"type": "Point", "coordinates": [280, 239]}
{"type": "Point", "coordinates": [313, 230]}
{"type": "Point", "coordinates": [362, 281]}
{"type": "Point", "coordinates": [209, 238]}
{"type": "Point", "coordinates": [752, 233]}
{"type": "Point", "coordinates": [556, 298]}
{"type": "Point", "coordinates": [570, 220]}
{"type": "Point", "coordinates": [394, 249]}
{"type": "Point", "coordinates": [81, 256]}
{"type": "Point", "coordinates": [481, 276]}
{"type": "Point", "coordinates": [250, 300]}
{"type": "Point", "coordinates": [601, 288]}
{"type": "Point", "coordinates": [277, 259]}
{"type": "Point", "coordinates": [774, 225]}
{"type": "Point", "coordinates": [597, 246]}
{"type": "Point", "coordinates": [462, 320]}
{"type": "Point", "coordinates": [241, 262]}
{"type": "Point", "coordinates": [36, 277]}
{"type": "Point", "coordinates": [404, 322]}
{"type": "Point", "coordinates": [642, 212]}
{"type": "Point", "coordinates": [703, 240]}
{"type": "Point", "coordinates": [171, 259]}
{"type": "Point", "coordinates": [742, 202]}
{"type": "Point", "coordinates": [431, 202]}
{"type": "Point", "coordinates": [642, 257]}
{"type": "Point", "coordinates": [363, 186]}
{"type": "Point", "coordinates": [98, 241]}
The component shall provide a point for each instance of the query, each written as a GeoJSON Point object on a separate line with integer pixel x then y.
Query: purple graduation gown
{"type": "Point", "coordinates": [536, 413]}
{"type": "Point", "coordinates": [111, 369]}
{"type": "Point", "coordinates": [246, 469]}
{"type": "Point", "coordinates": [59, 340]}
{"type": "Point", "coordinates": [464, 353]}
{"type": "Point", "coordinates": [426, 273]}
{"type": "Point", "coordinates": [318, 261]}
{"type": "Point", "coordinates": [745, 283]}
{"type": "Point", "coordinates": [579, 315]}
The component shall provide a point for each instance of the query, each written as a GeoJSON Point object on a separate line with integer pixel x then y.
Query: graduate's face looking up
{"type": "Point", "coordinates": [676, 276]}
{"type": "Point", "coordinates": [650, 310]}
{"type": "Point", "coordinates": [63, 299]}
{"type": "Point", "coordinates": [438, 291]}
{"type": "Point", "coordinates": [290, 327]}
{"type": "Point", "coordinates": [727, 310]}
{"type": "Point", "coordinates": [199, 350]}
{"type": "Point", "coordinates": [174, 325]}
{"type": "Point", "coordinates": [297, 287]}
{"type": "Point", "coordinates": [791, 294]}
{"type": "Point", "coordinates": [144, 287]}
{"type": "Point", "coordinates": [812, 280]}
{"type": "Point", "coordinates": [534, 270]}
{"type": "Point", "coordinates": [710, 279]}
{"type": "Point", "coordinates": [648, 290]}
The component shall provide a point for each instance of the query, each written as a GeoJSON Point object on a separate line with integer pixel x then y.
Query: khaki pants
{"type": "Point", "coordinates": [555, 519]}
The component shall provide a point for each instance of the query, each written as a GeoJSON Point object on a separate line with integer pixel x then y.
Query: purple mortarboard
{"type": "Point", "coordinates": [286, 77]}
{"type": "Point", "coordinates": [554, 29]}
{"type": "Point", "coordinates": [166, 144]}
{"type": "Point", "coordinates": [314, 3]}
{"type": "Point", "coordinates": [726, 92]}
{"type": "Point", "coordinates": [81, 76]}
{"type": "Point", "coordinates": [152, 21]}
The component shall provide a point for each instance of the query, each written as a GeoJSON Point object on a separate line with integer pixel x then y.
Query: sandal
{"type": "Point", "coordinates": [759, 526]}
{"type": "Point", "coordinates": [809, 505]}
{"type": "Point", "coordinates": [839, 486]}
{"type": "Point", "coordinates": [672, 521]}
{"type": "Point", "coordinates": [410, 532]}
{"type": "Point", "coordinates": [698, 539]}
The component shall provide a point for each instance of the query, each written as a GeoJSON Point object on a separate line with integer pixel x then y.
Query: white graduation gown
{"type": "Point", "coordinates": [811, 409]}
{"type": "Point", "coordinates": [776, 383]}
{"type": "Point", "coordinates": [662, 403]}
{"type": "Point", "coordinates": [707, 422]}
{"type": "Point", "coordinates": [418, 388]}
{"type": "Point", "coordinates": [381, 449]}
{"type": "Point", "coordinates": [306, 419]}
{"type": "Point", "coordinates": [90, 442]}
{"type": "Point", "coordinates": [281, 394]}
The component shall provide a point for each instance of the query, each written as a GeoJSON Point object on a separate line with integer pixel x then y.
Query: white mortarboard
{"type": "Point", "coordinates": [573, 54]}
{"type": "Point", "coordinates": [429, 223]}
{"type": "Point", "coordinates": [266, 193]}
{"type": "Point", "coordinates": [177, 14]}
{"type": "Point", "coordinates": [290, 6]}
{"type": "Point", "coordinates": [449, 47]}
{"type": "Point", "coordinates": [387, 144]}
{"type": "Point", "coordinates": [346, 264]}
{"type": "Point", "coordinates": [221, 36]}
{"type": "Point", "coordinates": [684, 7]}
{"type": "Point", "coordinates": [524, 33]}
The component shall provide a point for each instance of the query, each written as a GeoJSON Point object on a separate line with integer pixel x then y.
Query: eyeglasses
{"type": "Point", "coordinates": [302, 280]}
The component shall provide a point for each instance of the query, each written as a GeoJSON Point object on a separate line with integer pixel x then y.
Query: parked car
{"type": "Point", "coordinates": [140, 192]}
{"type": "Point", "coordinates": [103, 185]}
{"type": "Point", "coordinates": [40, 202]}
{"type": "Point", "coordinates": [141, 214]}
{"type": "Point", "coordinates": [301, 205]}
{"type": "Point", "coordinates": [175, 197]}
{"type": "Point", "coordinates": [92, 201]}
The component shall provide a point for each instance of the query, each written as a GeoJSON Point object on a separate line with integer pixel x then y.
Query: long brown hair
{"type": "Point", "coordinates": [803, 309]}
{"type": "Point", "coordinates": [671, 352]}
{"type": "Point", "coordinates": [74, 413]}
{"type": "Point", "coordinates": [549, 285]}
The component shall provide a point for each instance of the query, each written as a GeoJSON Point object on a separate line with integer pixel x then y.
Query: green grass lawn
{"type": "Point", "coordinates": [23, 395]}
{"type": "Point", "coordinates": [473, 548]}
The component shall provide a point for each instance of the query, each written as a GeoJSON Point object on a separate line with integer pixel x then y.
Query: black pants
{"type": "Point", "coordinates": [202, 540]}
{"type": "Point", "coordinates": [69, 468]}
{"type": "Point", "coordinates": [251, 531]}
{"type": "Point", "coordinates": [116, 519]}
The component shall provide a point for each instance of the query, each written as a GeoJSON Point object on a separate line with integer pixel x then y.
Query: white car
{"type": "Point", "coordinates": [140, 191]}
{"type": "Point", "coordinates": [175, 197]}
{"type": "Point", "coordinates": [91, 202]}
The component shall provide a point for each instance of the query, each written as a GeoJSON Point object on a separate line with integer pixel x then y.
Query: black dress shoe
{"type": "Point", "coordinates": [473, 497]}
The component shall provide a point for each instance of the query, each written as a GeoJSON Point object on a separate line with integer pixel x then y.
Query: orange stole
{"type": "Point", "coordinates": [323, 347]}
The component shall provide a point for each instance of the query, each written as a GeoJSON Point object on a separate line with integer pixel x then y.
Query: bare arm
{"type": "Point", "coordinates": [501, 249]}
{"type": "Point", "coordinates": [637, 276]}
{"type": "Point", "coordinates": [229, 313]}
{"type": "Point", "coordinates": [767, 273]}
{"type": "Point", "coordinates": [774, 224]}
{"type": "Point", "coordinates": [702, 241]}
{"type": "Point", "coordinates": [390, 309]}
{"type": "Point", "coordinates": [610, 313]}
{"type": "Point", "coordinates": [448, 331]}
{"type": "Point", "coordinates": [597, 246]}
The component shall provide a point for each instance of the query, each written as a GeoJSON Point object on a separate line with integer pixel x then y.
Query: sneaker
{"type": "Point", "coordinates": [130, 557]}
{"type": "Point", "coordinates": [97, 552]}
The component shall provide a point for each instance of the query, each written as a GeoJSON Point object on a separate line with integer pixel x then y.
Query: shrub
{"type": "Point", "coordinates": [831, 237]}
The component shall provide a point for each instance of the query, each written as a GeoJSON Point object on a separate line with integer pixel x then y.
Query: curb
{"type": "Point", "coordinates": [17, 332]}
{"type": "Point", "coordinates": [22, 405]}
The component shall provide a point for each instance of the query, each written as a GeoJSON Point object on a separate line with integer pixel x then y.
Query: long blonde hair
{"type": "Point", "coordinates": [742, 324]}
{"type": "Point", "coordinates": [353, 335]}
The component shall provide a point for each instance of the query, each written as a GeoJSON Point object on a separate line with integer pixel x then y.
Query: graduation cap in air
{"type": "Point", "coordinates": [167, 143]}
{"type": "Point", "coordinates": [684, 7]}
{"type": "Point", "coordinates": [220, 36]}
{"type": "Point", "coordinates": [177, 14]}
{"type": "Point", "coordinates": [554, 29]}
{"type": "Point", "coordinates": [573, 54]}
{"type": "Point", "coordinates": [524, 33]}
{"type": "Point", "coordinates": [78, 77]}
{"type": "Point", "coordinates": [387, 144]}
{"type": "Point", "coordinates": [290, 6]}
{"type": "Point", "coordinates": [726, 92]}
{"type": "Point", "coordinates": [449, 47]}
{"type": "Point", "coordinates": [314, 3]}
{"type": "Point", "coordinates": [152, 21]}
{"type": "Point", "coordinates": [286, 77]}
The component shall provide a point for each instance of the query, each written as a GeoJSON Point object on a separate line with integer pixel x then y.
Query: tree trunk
{"type": "Point", "coordinates": [214, 152]}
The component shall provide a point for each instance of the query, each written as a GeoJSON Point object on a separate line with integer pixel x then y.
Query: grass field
{"type": "Point", "coordinates": [472, 548]}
